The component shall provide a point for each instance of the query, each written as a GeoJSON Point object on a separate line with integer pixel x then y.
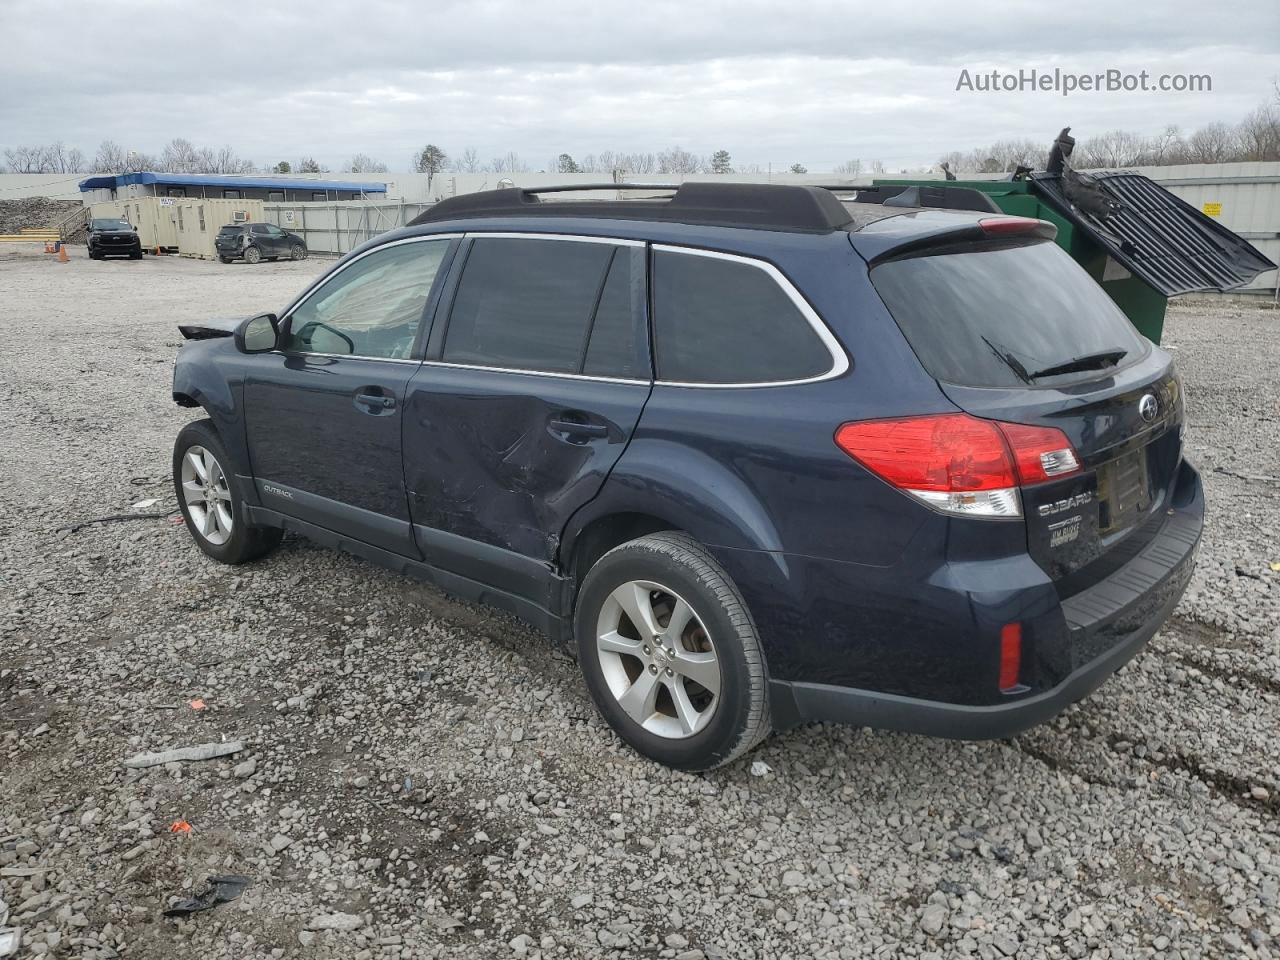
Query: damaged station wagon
{"type": "Point", "coordinates": [757, 454]}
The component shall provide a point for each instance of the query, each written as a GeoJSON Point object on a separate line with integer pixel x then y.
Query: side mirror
{"type": "Point", "coordinates": [258, 334]}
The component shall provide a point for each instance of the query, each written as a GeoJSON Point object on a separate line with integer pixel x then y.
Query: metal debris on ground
{"type": "Point", "coordinates": [205, 751]}
{"type": "Point", "coordinates": [220, 890]}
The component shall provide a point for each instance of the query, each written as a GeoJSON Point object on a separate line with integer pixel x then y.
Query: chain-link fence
{"type": "Point", "coordinates": [342, 226]}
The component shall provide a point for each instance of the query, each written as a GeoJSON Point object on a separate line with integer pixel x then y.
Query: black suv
{"type": "Point", "coordinates": [759, 456]}
{"type": "Point", "coordinates": [112, 237]}
{"type": "Point", "coordinates": [255, 242]}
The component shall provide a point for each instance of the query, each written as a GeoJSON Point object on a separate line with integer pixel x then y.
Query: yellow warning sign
{"type": "Point", "coordinates": [1212, 209]}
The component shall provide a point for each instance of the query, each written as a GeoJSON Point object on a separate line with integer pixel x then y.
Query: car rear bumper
{"type": "Point", "coordinates": [1106, 626]}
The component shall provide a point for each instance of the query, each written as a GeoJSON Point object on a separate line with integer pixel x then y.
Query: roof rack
{"type": "Point", "coordinates": [761, 206]}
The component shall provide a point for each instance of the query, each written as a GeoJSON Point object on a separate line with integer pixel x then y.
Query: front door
{"type": "Point", "coordinates": [323, 415]}
{"type": "Point", "coordinates": [530, 394]}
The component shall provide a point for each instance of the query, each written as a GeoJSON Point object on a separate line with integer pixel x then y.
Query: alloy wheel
{"type": "Point", "coordinates": [207, 496]}
{"type": "Point", "coordinates": [658, 659]}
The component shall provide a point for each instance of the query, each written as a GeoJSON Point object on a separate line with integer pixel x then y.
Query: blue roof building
{"type": "Point", "coordinates": [224, 186]}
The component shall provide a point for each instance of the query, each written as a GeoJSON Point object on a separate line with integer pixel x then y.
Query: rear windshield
{"type": "Point", "coordinates": [228, 231]}
{"type": "Point", "coordinates": [1006, 315]}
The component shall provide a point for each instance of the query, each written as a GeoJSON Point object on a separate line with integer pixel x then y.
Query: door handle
{"type": "Point", "coordinates": [581, 429]}
{"type": "Point", "coordinates": [375, 402]}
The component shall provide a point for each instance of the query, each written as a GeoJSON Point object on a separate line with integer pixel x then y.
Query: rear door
{"type": "Point", "coordinates": [1016, 331]}
{"type": "Point", "coordinates": [536, 374]}
{"type": "Point", "coordinates": [323, 415]}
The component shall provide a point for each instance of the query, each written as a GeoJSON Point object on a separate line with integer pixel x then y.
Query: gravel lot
{"type": "Point", "coordinates": [424, 778]}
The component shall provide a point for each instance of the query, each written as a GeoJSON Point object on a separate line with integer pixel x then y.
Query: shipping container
{"type": "Point", "coordinates": [155, 219]}
{"type": "Point", "coordinates": [198, 222]}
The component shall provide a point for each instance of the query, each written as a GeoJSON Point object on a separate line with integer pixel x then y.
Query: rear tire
{"type": "Point", "coordinates": [209, 494]}
{"type": "Point", "coordinates": [225, 259]}
{"type": "Point", "coordinates": [252, 255]}
{"type": "Point", "coordinates": [645, 681]}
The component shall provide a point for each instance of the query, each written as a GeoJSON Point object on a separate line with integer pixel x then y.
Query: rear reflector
{"type": "Point", "coordinates": [1010, 656]}
{"type": "Point", "coordinates": [957, 463]}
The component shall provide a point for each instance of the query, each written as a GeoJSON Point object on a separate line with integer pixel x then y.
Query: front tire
{"type": "Point", "coordinates": [209, 495]}
{"type": "Point", "coordinates": [670, 654]}
{"type": "Point", "coordinates": [298, 252]}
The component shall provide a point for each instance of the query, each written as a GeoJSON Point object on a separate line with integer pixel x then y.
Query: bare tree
{"type": "Point", "coordinates": [1212, 143]}
{"type": "Point", "coordinates": [509, 162]}
{"type": "Point", "coordinates": [466, 162]}
{"type": "Point", "coordinates": [46, 158]}
{"type": "Point", "coordinates": [1260, 134]}
{"type": "Point", "coordinates": [678, 161]}
{"type": "Point", "coordinates": [363, 163]}
{"type": "Point", "coordinates": [877, 166]}
{"type": "Point", "coordinates": [1166, 147]}
{"type": "Point", "coordinates": [179, 156]}
{"type": "Point", "coordinates": [308, 165]}
{"type": "Point", "coordinates": [24, 159]}
{"type": "Point", "coordinates": [849, 167]}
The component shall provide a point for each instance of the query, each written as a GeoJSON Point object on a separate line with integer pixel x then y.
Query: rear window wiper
{"type": "Point", "coordinates": [1010, 361]}
{"type": "Point", "coordinates": [1090, 361]}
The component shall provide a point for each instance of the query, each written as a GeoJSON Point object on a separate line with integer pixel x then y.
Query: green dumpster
{"type": "Point", "coordinates": [1142, 304]}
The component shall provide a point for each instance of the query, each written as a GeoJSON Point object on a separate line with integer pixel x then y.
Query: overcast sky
{"type": "Point", "coordinates": [775, 82]}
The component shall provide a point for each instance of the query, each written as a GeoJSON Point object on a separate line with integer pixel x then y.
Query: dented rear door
{"type": "Point", "coordinates": [537, 372]}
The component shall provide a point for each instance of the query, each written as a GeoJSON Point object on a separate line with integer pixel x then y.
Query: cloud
{"type": "Point", "coordinates": [770, 83]}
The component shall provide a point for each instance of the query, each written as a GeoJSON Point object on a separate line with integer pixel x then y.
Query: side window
{"type": "Point", "coordinates": [275, 195]}
{"type": "Point", "coordinates": [619, 341]}
{"type": "Point", "coordinates": [231, 195]}
{"type": "Point", "coordinates": [728, 321]}
{"type": "Point", "coordinates": [527, 304]}
{"type": "Point", "coordinates": [373, 308]}
{"type": "Point", "coordinates": [261, 229]}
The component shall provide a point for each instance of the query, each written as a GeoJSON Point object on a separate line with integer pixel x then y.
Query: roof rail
{"type": "Point", "coordinates": [760, 206]}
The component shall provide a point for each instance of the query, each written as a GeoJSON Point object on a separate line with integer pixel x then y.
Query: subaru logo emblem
{"type": "Point", "coordinates": [1148, 407]}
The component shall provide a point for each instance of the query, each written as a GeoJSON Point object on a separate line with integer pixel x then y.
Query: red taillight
{"type": "Point", "coordinates": [958, 463]}
{"type": "Point", "coordinates": [950, 452]}
{"type": "Point", "coordinates": [1010, 656]}
{"type": "Point", "coordinates": [1009, 226]}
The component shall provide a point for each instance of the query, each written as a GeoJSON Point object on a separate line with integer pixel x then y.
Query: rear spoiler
{"type": "Point", "coordinates": [907, 235]}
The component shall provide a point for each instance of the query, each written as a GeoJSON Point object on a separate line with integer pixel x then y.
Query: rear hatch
{"type": "Point", "coordinates": [228, 238]}
{"type": "Point", "coordinates": [1015, 331]}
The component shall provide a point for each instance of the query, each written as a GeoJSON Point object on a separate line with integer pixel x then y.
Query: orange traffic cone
{"type": "Point", "coordinates": [48, 247]}
{"type": "Point", "coordinates": [62, 253]}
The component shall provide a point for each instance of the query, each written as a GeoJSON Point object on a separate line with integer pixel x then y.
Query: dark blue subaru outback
{"type": "Point", "coordinates": [759, 454]}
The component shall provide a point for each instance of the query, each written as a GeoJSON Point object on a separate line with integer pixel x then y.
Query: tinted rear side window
{"type": "Point", "coordinates": [526, 304]}
{"type": "Point", "coordinates": [991, 315]}
{"type": "Point", "coordinates": [728, 321]}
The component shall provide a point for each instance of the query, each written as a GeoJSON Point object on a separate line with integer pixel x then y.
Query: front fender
{"type": "Point", "coordinates": [208, 372]}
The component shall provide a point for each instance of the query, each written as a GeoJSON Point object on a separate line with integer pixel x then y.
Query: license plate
{"type": "Point", "coordinates": [1124, 491]}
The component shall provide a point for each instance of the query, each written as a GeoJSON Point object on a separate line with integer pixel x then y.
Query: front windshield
{"type": "Point", "coordinates": [110, 224]}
